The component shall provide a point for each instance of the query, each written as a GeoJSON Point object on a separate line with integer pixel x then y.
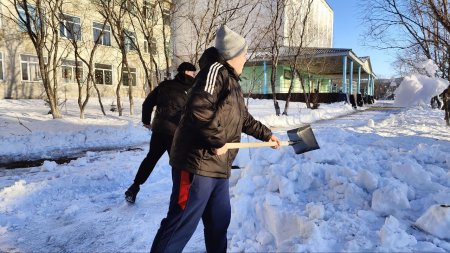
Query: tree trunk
{"type": "Point", "coordinates": [288, 97]}
{"type": "Point", "coordinates": [119, 104]}
{"type": "Point", "coordinates": [272, 85]}
{"type": "Point", "coordinates": [130, 82]}
{"type": "Point", "coordinates": [99, 99]}
{"type": "Point", "coordinates": [302, 83]}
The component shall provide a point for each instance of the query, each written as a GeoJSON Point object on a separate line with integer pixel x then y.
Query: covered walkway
{"type": "Point", "coordinates": [338, 74]}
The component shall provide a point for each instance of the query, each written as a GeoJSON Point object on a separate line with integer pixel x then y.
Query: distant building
{"type": "Point", "coordinates": [19, 69]}
{"type": "Point", "coordinates": [319, 31]}
{"type": "Point", "coordinates": [321, 67]}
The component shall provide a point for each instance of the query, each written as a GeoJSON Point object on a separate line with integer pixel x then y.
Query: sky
{"type": "Point", "coordinates": [348, 33]}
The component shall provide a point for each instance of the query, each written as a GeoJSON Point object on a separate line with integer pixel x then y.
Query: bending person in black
{"type": "Point", "coordinates": [169, 97]}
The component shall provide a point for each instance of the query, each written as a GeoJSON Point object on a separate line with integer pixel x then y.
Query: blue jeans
{"type": "Point", "coordinates": [194, 197]}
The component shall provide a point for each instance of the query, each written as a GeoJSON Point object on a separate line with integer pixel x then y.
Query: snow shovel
{"type": "Point", "coordinates": [302, 139]}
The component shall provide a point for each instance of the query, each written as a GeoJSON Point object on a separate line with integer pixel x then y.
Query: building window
{"type": "Point", "coordinates": [150, 47]}
{"type": "Point", "coordinates": [148, 10]}
{"type": "Point", "coordinates": [1, 66]}
{"type": "Point", "coordinates": [103, 74]}
{"type": "Point", "coordinates": [166, 16]}
{"type": "Point", "coordinates": [30, 68]}
{"type": "Point", "coordinates": [130, 40]}
{"type": "Point", "coordinates": [287, 74]}
{"type": "Point", "coordinates": [69, 71]}
{"type": "Point", "coordinates": [125, 78]}
{"type": "Point", "coordinates": [105, 37]}
{"type": "Point", "coordinates": [131, 6]}
{"type": "Point", "coordinates": [32, 15]}
{"type": "Point", "coordinates": [69, 27]}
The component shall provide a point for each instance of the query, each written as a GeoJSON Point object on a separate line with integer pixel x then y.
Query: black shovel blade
{"type": "Point", "coordinates": [302, 139]}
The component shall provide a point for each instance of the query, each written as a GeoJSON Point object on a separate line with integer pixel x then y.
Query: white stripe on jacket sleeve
{"type": "Point", "coordinates": [211, 78]}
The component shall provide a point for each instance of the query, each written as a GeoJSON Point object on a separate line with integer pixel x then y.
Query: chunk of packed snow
{"type": "Point", "coordinates": [315, 211]}
{"type": "Point", "coordinates": [367, 180]}
{"type": "Point", "coordinates": [393, 237]}
{"type": "Point", "coordinates": [390, 198]}
{"type": "Point", "coordinates": [418, 89]}
{"type": "Point", "coordinates": [436, 221]}
{"type": "Point", "coordinates": [412, 173]}
{"type": "Point", "coordinates": [49, 166]}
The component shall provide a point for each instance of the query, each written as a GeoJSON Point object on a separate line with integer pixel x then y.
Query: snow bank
{"type": "Point", "coordinates": [418, 89]}
{"type": "Point", "coordinates": [28, 132]}
{"type": "Point", "coordinates": [41, 137]}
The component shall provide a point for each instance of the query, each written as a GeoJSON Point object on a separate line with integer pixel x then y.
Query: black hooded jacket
{"type": "Point", "coordinates": [169, 97]}
{"type": "Point", "coordinates": [215, 114]}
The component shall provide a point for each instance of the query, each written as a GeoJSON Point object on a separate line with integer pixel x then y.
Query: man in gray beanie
{"type": "Point", "coordinates": [215, 114]}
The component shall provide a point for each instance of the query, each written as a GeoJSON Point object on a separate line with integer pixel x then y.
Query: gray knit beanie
{"type": "Point", "coordinates": [229, 43]}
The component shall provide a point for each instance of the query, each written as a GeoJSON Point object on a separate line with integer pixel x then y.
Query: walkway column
{"type": "Point", "coordinates": [344, 74]}
{"type": "Point", "coordinates": [330, 87]}
{"type": "Point", "coordinates": [358, 91]}
{"type": "Point", "coordinates": [265, 77]}
{"type": "Point", "coordinates": [373, 86]}
{"type": "Point", "coordinates": [369, 84]}
{"type": "Point", "coordinates": [351, 77]}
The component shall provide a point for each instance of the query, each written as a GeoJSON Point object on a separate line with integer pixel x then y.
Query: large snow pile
{"type": "Point", "coordinates": [28, 132]}
{"type": "Point", "coordinates": [418, 89]}
{"type": "Point", "coordinates": [337, 198]}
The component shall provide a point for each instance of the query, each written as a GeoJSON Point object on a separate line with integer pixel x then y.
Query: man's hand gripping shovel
{"type": "Point", "coordinates": [302, 139]}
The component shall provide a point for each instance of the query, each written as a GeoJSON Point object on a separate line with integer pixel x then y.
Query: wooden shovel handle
{"type": "Point", "coordinates": [254, 144]}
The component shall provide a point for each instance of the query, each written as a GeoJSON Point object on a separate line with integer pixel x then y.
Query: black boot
{"type": "Point", "coordinates": [130, 194]}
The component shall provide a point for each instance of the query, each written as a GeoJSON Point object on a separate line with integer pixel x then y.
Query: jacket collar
{"type": "Point", "coordinates": [184, 80]}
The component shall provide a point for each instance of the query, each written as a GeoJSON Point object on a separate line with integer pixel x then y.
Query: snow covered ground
{"type": "Point", "coordinates": [28, 132]}
{"type": "Point", "coordinates": [377, 172]}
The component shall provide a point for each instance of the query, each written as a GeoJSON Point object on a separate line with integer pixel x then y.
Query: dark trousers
{"type": "Point", "coordinates": [159, 143]}
{"type": "Point", "coordinates": [194, 197]}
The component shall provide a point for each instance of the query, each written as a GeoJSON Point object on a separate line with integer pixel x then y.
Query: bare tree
{"type": "Point", "coordinates": [84, 53]}
{"type": "Point", "coordinates": [275, 37]}
{"type": "Point", "coordinates": [145, 20]}
{"type": "Point", "coordinates": [199, 19]}
{"type": "Point", "coordinates": [300, 15]}
{"type": "Point", "coordinates": [40, 21]}
{"type": "Point", "coordinates": [115, 12]}
{"type": "Point", "coordinates": [418, 29]}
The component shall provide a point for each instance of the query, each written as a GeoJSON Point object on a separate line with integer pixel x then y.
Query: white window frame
{"type": "Point", "coordinates": [72, 65]}
{"type": "Point", "coordinates": [146, 46]}
{"type": "Point", "coordinates": [64, 24]}
{"type": "Point", "coordinates": [101, 67]}
{"type": "Point", "coordinates": [132, 71]}
{"type": "Point", "coordinates": [107, 29]}
{"type": "Point", "coordinates": [29, 70]}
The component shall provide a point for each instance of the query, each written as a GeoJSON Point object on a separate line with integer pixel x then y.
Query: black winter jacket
{"type": "Point", "coordinates": [215, 114]}
{"type": "Point", "coordinates": [169, 97]}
